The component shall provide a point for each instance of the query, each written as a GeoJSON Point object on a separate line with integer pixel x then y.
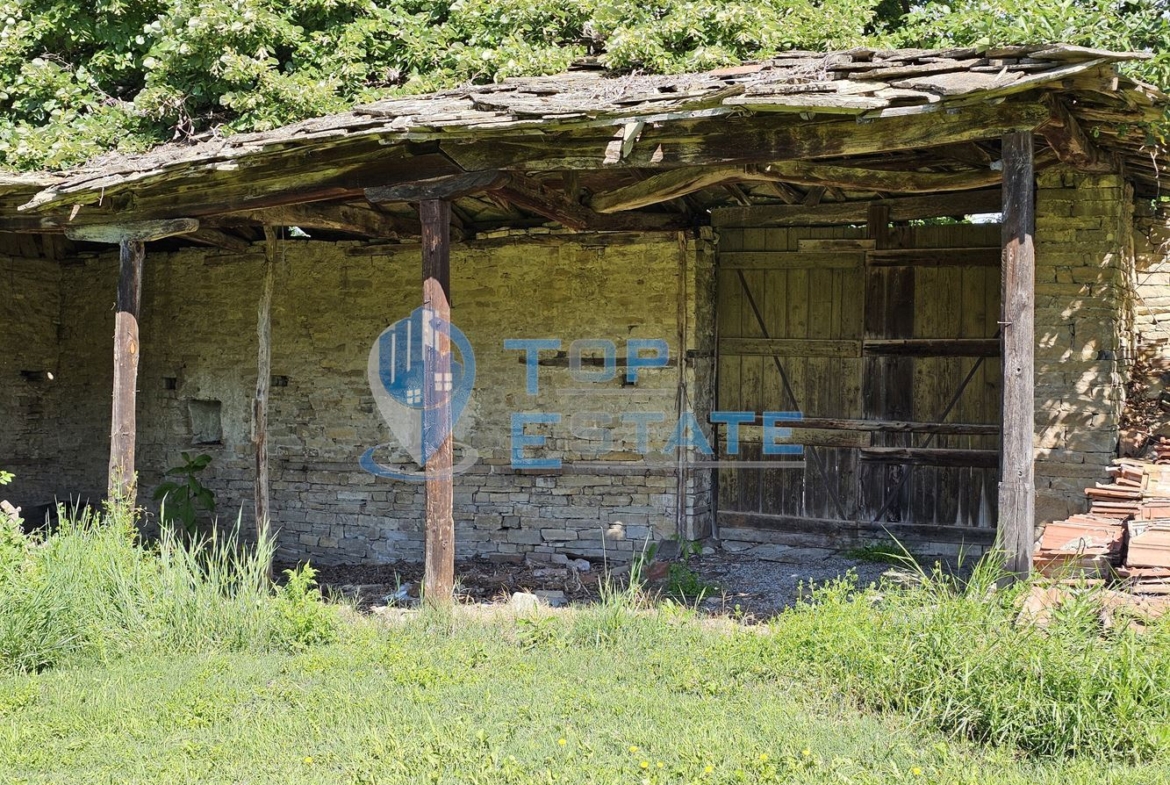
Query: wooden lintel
{"type": "Point", "coordinates": [934, 257]}
{"type": "Point", "coordinates": [1069, 141]}
{"type": "Point", "coordinates": [838, 213]}
{"type": "Point", "coordinates": [219, 239]}
{"type": "Point", "coordinates": [829, 533]}
{"type": "Point", "coordinates": [679, 182]}
{"type": "Point", "coordinates": [445, 188]}
{"type": "Point", "coordinates": [1017, 487]}
{"type": "Point", "coordinates": [932, 347]}
{"type": "Point", "coordinates": [932, 456]}
{"type": "Point", "coordinates": [140, 231]}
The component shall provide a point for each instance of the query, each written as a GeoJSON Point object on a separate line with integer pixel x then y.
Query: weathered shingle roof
{"type": "Point", "coordinates": [859, 85]}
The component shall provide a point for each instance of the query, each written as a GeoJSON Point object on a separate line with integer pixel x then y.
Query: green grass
{"type": "Point", "coordinates": [486, 701]}
{"type": "Point", "coordinates": [180, 663]}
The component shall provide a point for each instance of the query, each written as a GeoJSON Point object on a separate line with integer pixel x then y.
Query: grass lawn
{"type": "Point", "coordinates": [607, 696]}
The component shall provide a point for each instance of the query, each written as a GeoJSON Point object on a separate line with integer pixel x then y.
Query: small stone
{"type": "Point", "coordinates": [554, 599]}
{"type": "Point", "coordinates": [668, 550]}
{"type": "Point", "coordinates": [731, 546]}
{"type": "Point", "coordinates": [581, 565]}
{"type": "Point", "coordinates": [523, 602]}
{"type": "Point", "coordinates": [551, 572]}
{"type": "Point", "coordinates": [789, 554]}
{"type": "Point", "coordinates": [708, 550]}
{"type": "Point", "coordinates": [559, 558]}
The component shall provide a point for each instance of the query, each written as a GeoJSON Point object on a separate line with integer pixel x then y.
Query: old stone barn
{"type": "Point", "coordinates": [944, 261]}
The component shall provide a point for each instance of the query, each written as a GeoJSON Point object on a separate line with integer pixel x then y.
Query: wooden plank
{"type": "Point", "coordinates": [219, 239]}
{"type": "Point", "coordinates": [932, 347]}
{"type": "Point", "coordinates": [932, 456]}
{"type": "Point", "coordinates": [1070, 143]}
{"type": "Point", "coordinates": [142, 231]}
{"type": "Point", "coordinates": [787, 260]}
{"type": "Point", "coordinates": [896, 426]}
{"type": "Point", "coordinates": [749, 140]}
{"type": "Point", "coordinates": [935, 257]}
{"type": "Point", "coordinates": [439, 579]}
{"type": "Point", "coordinates": [122, 484]}
{"type": "Point", "coordinates": [788, 347]}
{"type": "Point", "coordinates": [836, 244]}
{"type": "Point", "coordinates": [1017, 489]}
{"type": "Point", "coordinates": [836, 213]}
{"type": "Point", "coordinates": [263, 381]}
{"type": "Point", "coordinates": [445, 188]}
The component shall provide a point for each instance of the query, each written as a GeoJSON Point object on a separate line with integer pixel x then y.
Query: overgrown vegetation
{"type": "Point", "coordinates": [82, 78]}
{"type": "Point", "coordinates": [91, 589]}
{"type": "Point", "coordinates": [185, 496]}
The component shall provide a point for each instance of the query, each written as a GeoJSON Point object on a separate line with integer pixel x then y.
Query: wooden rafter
{"type": "Point", "coordinates": [1069, 141]}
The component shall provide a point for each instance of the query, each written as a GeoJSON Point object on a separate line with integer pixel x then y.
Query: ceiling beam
{"type": "Point", "coordinates": [840, 213]}
{"type": "Point", "coordinates": [679, 182]}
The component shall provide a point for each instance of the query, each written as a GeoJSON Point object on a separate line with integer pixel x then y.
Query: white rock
{"type": "Point", "coordinates": [524, 602]}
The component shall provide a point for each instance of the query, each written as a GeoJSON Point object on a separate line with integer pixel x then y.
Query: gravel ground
{"type": "Point", "coordinates": [742, 585]}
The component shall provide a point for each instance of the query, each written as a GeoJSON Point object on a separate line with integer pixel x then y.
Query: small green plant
{"type": "Point", "coordinates": [885, 553]}
{"type": "Point", "coordinates": [184, 497]}
{"type": "Point", "coordinates": [303, 619]}
{"type": "Point", "coordinates": [5, 477]}
{"type": "Point", "coordinates": [686, 585]}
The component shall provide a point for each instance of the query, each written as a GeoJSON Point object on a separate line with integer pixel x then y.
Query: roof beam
{"type": "Point", "coordinates": [1069, 141]}
{"type": "Point", "coordinates": [839, 213]}
{"type": "Point", "coordinates": [137, 231]}
{"type": "Point", "coordinates": [364, 221]}
{"type": "Point", "coordinates": [679, 182]}
{"type": "Point", "coordinates": [750, 140]}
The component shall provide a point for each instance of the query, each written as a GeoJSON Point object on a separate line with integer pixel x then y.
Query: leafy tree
{"type": "Point", "coordinates": [78, 79]}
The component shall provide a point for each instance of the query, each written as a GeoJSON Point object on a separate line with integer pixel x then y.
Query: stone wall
{"type": "Point", "coordinates": [1084, 328]}
{"type": "Point", "coordinates": [1152, 289]}
{"type": "Point", "coordinates": [30, 311]}
{"type": "Point", "coordinates": [332, 301]}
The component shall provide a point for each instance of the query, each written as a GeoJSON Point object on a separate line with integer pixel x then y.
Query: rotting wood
{"type": "Point", "coordinates": [789, 260]}
{"type": "Point", "coordinates": [789, 347]}
{"type": "Point", "coordinates": [1071, 145]}
{"type": "Point", "coordinates": [123, 481]}
{"type": "Point", "coordinates": [361, 220]}
{"type": "Point", "coordinates": [142, 231]}
{"type": "Point", "coordinates": [446, 188]}
{"type": "Point", "coordinates": [439, 581]}
{"type": "Point", "coordinates": [680, 182]}
{"type": "Point", "coordinates": [219, 239]}
{"type": "Point", "coordinates": [535, 197]}
{"type": "Point", "coordinates": [901, 209]}
{"type": "Point", "coordinates": [263, 383]}
{"type": "Point", "coordinates": [1017, 488]}
{"type": "Point", "coordinates": [843, 244]}
{"type": "Point", "coordinates": [822, 532]}
{"type": "Point", "coordinates": [896, 426]}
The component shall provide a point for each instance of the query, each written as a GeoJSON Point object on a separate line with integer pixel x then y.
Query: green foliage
{"type": "Point", "coordinates": [5, 477]}
{"type": "Point", "coordinates": [956, 658]}
{"type": "Point", "coordinates": [1120, 25]}
{"type": "Point", "coordinates": [183, 499]}
{"type": "Point", "coordinates": [82, 78]}
{"type": "Point", "coordinates": [92, 590]}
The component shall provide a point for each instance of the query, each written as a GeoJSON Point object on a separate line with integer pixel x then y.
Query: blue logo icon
{"type": "Point", "coordinates": [411, 392]}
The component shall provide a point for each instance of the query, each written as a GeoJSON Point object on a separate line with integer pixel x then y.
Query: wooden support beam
{"type": "Point", "coordinates": [750, 140]}
{"type": "Point", "coordinates": [1017, 488]}
{"type": "Point", "coordinates": [1070, 143]}
{"type": "Point", "coordinates": [838, 213]}
{"type": "Point", "coordinates": [263, 381]}
{"type": "Point", "coordinates": [679, 182]}
{"type": "Point", "coordinates": [530, 194]}
{"type": "Point", "coordinates": [362, 220]}
{"type": "Point", "coordinates": [932, 456]}
{"type": "Point", "coordinates": [140, 231]}
{"type": "Point", "coordinates": [437, 420]}
{"type": "Point", "coordinates": [444, 188]}
{"type": "Point", "coordinates": [931, 347]}
{"type": "Point", "coordinates": [934, 257]}
{"type": "Point", "coordinates": [220, 239]}
{"type": "Point", "coordinates": [131, 239]}
{"type": "Point", "coordinates": [122, 486]}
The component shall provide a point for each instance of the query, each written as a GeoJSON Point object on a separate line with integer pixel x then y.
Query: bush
{"type": "Point", "coordinates": [92, 590]}
{"type": "Point", "coordinates": [956, 659]}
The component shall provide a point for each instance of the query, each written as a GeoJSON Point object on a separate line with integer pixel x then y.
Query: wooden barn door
{"type": "Point", "coordinates": [888, 347]}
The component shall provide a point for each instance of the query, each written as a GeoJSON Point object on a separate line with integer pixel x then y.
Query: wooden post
{"type": "Point", "coordinates": [263, 380]}
{"type": "Point", "coordinates": [122, 482]}
{"type": "Point", "coordinates": [1017, 487]}
{"type": "Point", "coordinates": [440, 522]}
{"type": "Point", "coordinates": [131, 239]}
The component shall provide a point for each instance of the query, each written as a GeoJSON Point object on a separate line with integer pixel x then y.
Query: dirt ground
{"type": "Point", "coordinates": [729, 583]}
